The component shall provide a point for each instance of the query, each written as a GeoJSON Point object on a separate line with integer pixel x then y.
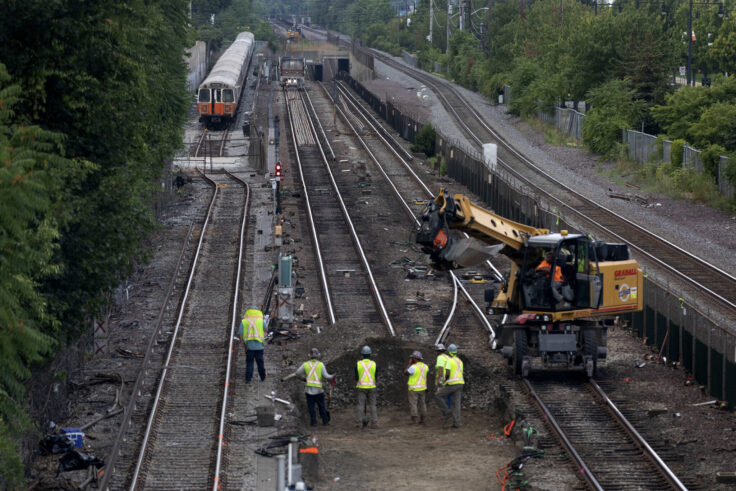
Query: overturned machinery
{"type": "Point", "coordinates": [554, 305]}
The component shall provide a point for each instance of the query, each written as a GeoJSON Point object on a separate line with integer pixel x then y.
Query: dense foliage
{"type": "Point", "coordinates": [92, 102]}
{"type": "Point", "coordinates": [425, 140]}
{"type": "Point", "coordinates": [220, 21]}
{"type": "Point", "coordinates": [606, 54]}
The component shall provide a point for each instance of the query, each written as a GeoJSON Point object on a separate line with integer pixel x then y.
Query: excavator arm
{"type": "Point", "coordinates": [451, 250]}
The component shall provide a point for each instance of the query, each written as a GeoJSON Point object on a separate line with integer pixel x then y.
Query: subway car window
{"type": "Point", "coordinates": [204, 95]}
{"type": "Point", "coordinates": [227, 96]}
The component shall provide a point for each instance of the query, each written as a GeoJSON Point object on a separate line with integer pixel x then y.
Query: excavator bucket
{"type": "Point", "coordinates": [465, 252]}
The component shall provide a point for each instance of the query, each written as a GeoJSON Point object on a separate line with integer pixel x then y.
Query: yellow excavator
{"type": "Point", "coordinates": [553, 307]}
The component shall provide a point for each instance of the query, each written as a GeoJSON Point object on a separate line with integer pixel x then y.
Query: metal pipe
{"type": "Point", "coordinates": [289, 481]}
{"type": "Point", "coordinates": [280, 473]}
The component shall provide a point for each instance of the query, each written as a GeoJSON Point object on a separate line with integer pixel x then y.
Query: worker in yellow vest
{"type": "Point", "coordinates": [313, 372]}
{"type": "Point", "coordinates": [417, 372]}
{"type": "Point", "coordinates": [451, 385]}
{"type": "Point", "coordinates": [439, 366]}
{"type": "Point", "coordinates": [251, 332]}
{"type": "Point", "coordinates": [365, 374]}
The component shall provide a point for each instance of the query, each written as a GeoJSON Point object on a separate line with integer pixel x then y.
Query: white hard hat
{"type": "Point", "coordinates": [417, 355]}
{"type": "Point", "coordinates": [440, 347]}
{"type": "Point", "coordinates": [452, 348]}
{"type": "Point", "coordinates": [366, 350]}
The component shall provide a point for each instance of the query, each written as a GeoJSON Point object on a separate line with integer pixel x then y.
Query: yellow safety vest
{"type": "Point", "coordinates": [313, 371]}
{"type": "Point", "coordinates": [253, 325]}
{"type": "Point", "coordinates": [418, 380]}
{"type": "Point", "coordinates": [442, 360]}
{"type": "Point", "coordinates": [366, 374]}
{"type": "Point", "coordinates": [456, 371]}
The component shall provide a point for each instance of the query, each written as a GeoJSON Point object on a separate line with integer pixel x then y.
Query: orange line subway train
{"type": "Point", "coordinates": [219, 94]}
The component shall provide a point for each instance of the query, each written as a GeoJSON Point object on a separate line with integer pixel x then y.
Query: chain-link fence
{"type": "Point", "coordinates": [642, 148]}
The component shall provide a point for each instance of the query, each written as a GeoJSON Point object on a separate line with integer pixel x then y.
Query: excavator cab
{"type": "Point", "coordinates": [559, 273]}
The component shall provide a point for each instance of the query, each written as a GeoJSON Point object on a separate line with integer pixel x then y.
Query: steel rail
{"type": "Point", "coordinates": [321, 129]}
{"type": "Point", "coordinates": [233, 326]}
{"type": "Point", "coordinates": [356, 240]}
{"type": "Point", "coordinates": [587, 475]}
{"type": "Point", "coordinates": [467, 295]}
{"type": "Point", "coordinates": [111, 460]}
{"type": "Point", "coordinates": [373, 123]}
{"type": "Point", "coordinates": [172, 343]}
{"type": "Point", "coordinates": [377, 127]}
{"type": "Point", "coordinates": [370, 153]}
{"type": "Point", "coordinates": [225, 134]}
{"type": "Point", "coordinates": [446, 326]}
{"type": "Point", "coordinates": [401, 199]}
{"type": "Point", "coordinates": [312, 226]}
{"type": "Point", "coordinates": [673, 270]}
{"type": "Point", "coordinates": [640, 441]}
{"type": "Point", "coordinates": [199, 144]}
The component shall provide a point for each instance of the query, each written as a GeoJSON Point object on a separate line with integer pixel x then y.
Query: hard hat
{"type": "Point", "coordinates": [440, 347]}
{"type": "Point", "coordinates": [315, 353]}
{"type": "Point", "coordinates": [452, 348]}
{"type": "Point", "coordinates": [417, 355]}
{"type": "Point", "coordinates": [366, 350]}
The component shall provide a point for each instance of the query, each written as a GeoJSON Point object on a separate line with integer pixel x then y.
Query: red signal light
{"type": "Point", "coordinates": [278, 170]}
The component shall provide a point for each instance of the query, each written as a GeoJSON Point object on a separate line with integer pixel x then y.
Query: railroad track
{"type": "Point", "coordinates": [606, 449]}
{"type": "Point", "coordinates": [408, 186]}
{"type": "Point", "coordinates": [211, 143]}
{"type": "Point", "coordinates": [701, 276]}
{"type": "Point", "coordinates": [344, 267]}
{"type": "Point", "coordinates": [182, 445]}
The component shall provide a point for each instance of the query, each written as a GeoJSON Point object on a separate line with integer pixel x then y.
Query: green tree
{"type": "Point", "coordinates": [32, 178]}
{"type": "Point", "coordinates": [717, 125]}
{"type": "Point", "coordinates": [684, 109]}
{"type": "Point", "coordinates": [614, 107]}
{"type": "Point", "coordinates": [723, 50]}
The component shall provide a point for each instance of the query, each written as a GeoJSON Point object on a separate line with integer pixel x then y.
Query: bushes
{"type": "Point", "coordinates": [614, 107]}
{"type": "Point", "coordinates": [710, 157]}
{"type": "Point", "coordinates": [676, 152]}
{"type": "Point", "coordinates": [425, 140]}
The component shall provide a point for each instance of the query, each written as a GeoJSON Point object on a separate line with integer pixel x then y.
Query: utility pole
{"type": "Point", "coordinates": [431, 19]}
{"type": "Point", "coordinates": [462, 14]}
{"type": "Point", "coordinates": [449, 13]}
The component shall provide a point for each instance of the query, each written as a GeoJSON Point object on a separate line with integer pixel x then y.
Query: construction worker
{"type": "Point", "coordinates": [313, 372]}
{"type": "Point", "coordinates": [365, 374]}
{"type": "Point", "coordinates": [451, 385]}
{"type": "Point", "coordinates": [439, 366]}
{"type": "Point", "coordinates": [544, 269]}
{"type": "Point", "coordinates": [251, 332]}
{"type": "Point", "coordinates": [417, 372]}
